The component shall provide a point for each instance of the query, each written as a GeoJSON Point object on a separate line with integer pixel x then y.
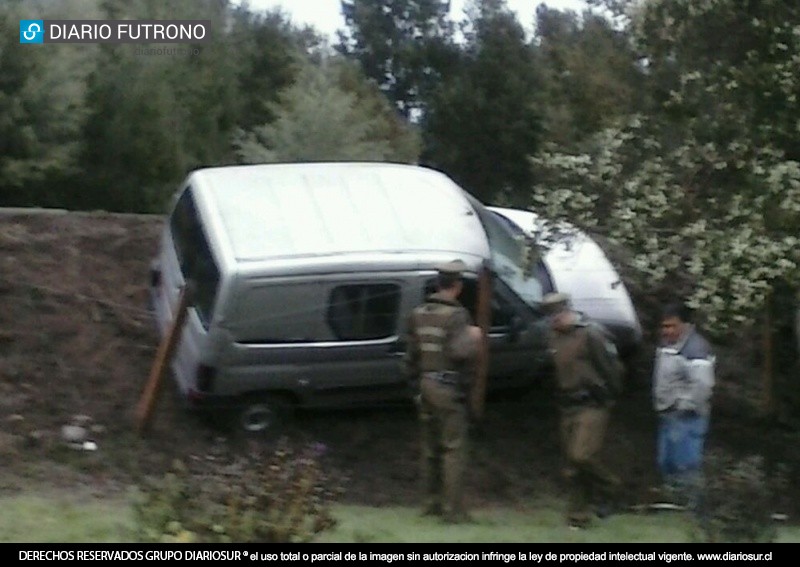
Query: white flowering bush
{"type": "Point", "coordinates": [705, 190]}
{"type": "Point", "coordinates": [732, 241]}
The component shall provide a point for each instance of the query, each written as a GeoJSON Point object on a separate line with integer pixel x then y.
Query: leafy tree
{"type": "Point", "coordinates": [403, 45]}
{"type": "Point", "coordinates": [265, 52]}
{"type": "Point", "coordinates": [483, 120]}
{"type": "Point", "coordinates": [156, 116]}
{"type": "Point", "coordinates": [41, 107]}
{"type": "Point", "coordinates": [591, 74]}
{"type": "Point", "coordinates": [404, 138]}
{"type": "Point", "coordinates": [727, 70]}
{"type": "Point", "coordinates": [132, 151]}
{"type": "Point", "coordinates": [318, 119]}
{"type": "Point", "coordinates": [706, 189]}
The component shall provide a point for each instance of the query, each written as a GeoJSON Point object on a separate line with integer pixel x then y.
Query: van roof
{"type": "Point", "coordinates": [281, 211]}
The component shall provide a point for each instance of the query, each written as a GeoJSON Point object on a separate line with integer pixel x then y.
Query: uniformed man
{"type": "Point", "coordinates": [588, 377]}
{"type": "Point", "coordinates": [442, 345]}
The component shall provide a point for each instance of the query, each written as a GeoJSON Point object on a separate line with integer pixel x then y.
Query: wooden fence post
{"type": "Point", "coordinates": [484, 319]}
{"type": "Point", "coordinates": [144, 409]}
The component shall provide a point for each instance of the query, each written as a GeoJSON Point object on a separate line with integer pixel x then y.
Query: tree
{"type": "Point", "coordinates": [265, 54]}
{"type": "Point", "coordinates": [155, 115]}
{"type": "Point", "coordinates": [319, 119]}
{"type": "Point", "coordinates": [403, 137]}
{"type": "Point", "coordinates": [591, 77]}
{"type": "Point", "coordinates": [132, 153]}
{"type": "Point", "coordinates": [483, 120]}
{"type": "Point", "coordinates": [727, 70]}
{"type": "Point", "coordinates": [705, 190]}
{"type": "Point", "coordinates": [155, 110]}
{"type": "Point", "coordinates": [41, 109]}
{"type": "Point", "coordinates": [402, 45]}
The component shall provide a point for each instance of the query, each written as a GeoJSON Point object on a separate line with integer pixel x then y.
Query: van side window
{"type": "Point", "coordinates": [364, 311]}
{"type": "Point", "coordinates": [194, 255]}
{"type": "Point", "coordinates": [279, 314]}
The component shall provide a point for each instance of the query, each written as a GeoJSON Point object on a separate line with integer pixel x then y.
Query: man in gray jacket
{"type": "Point", "coordinates": [683, 379]}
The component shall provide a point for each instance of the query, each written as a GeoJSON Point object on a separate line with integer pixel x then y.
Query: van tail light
{"type": "Point", "coordinates": [206, 375]}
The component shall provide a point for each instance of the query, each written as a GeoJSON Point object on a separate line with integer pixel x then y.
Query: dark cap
{"type": "Point", "coordinates": [454, 268]}
{"type": "Point", "coordinates": [555, 302]}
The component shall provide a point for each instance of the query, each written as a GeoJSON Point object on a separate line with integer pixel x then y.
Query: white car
{"type": "Point", "coordinates": [575, 264]}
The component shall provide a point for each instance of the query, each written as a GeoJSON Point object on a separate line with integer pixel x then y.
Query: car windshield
{"type": "Point", "coordinates": [512, 258]}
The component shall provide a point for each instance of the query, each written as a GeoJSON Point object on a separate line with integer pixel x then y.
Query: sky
{"type": "Point", "coordinates": [324, 14]}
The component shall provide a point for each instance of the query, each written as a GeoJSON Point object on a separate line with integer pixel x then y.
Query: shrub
{"type": "Point", "coordinates": [739, 501]}
{"type": "Point", "coordinates": [284, 497]}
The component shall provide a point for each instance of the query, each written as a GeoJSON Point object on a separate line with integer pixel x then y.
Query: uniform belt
{"type": "Point", "coordinates": [445, 377]}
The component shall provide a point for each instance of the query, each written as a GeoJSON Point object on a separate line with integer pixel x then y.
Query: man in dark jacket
{"type": "Point", "coordinates": [683, 379]}
{"type": "Point", "coordinates": [588, 375]}
{"type": "Point", "coordinates": [442, 345]}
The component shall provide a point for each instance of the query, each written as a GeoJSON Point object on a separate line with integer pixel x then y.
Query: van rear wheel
{"type": "Point", "coordinates": [265, 413]}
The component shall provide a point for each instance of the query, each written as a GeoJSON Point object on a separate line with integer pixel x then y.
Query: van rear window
{"type": "Point", "coordinates": [194, 255]}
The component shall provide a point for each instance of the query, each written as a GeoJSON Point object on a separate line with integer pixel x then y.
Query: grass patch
{"type": "Point", "coordinates": [359, 524]}
{"type": "Point", "coordinates": [498, 525]}
{"type": "Point", "coordinates": [42, 519]}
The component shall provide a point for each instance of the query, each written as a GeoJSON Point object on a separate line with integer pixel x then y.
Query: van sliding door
{"type": "Point", "coordinates": [331, 341]}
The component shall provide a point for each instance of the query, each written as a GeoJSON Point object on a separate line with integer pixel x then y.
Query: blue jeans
{"type": "Point", "coordinates": [681, 437]}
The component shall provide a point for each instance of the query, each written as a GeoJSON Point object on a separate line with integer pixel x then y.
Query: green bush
{"type": "Point", "coordinates": [740, 501]}
{"type": "Point", "coordinates": [283, 497]}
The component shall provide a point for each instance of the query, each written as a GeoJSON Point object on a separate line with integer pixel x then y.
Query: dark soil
{"type": "Point", "coordinates": [77, 343]}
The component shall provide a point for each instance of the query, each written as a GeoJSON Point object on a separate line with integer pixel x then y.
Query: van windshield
{"type": "Point", "coordinates": [511, 256]}
{"type": "Point", "coordinates": [194, 255]}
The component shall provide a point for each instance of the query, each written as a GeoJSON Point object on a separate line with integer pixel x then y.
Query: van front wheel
{"type": "Point", "coordinates": [265, 413]}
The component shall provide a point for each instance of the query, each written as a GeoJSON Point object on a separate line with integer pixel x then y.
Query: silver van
{"type": "Point", "coordinates": [305, 274]}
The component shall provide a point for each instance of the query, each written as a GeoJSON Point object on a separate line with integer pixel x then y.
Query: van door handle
{"type": "Point", "coordinates": [397, 353]}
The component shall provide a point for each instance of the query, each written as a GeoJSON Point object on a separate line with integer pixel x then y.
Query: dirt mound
{"type": "Point", "coordinates": [76, 338]}
{"type": "Point", "coordinates": [77, 342]}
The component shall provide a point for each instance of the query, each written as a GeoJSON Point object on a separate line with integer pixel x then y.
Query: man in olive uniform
{"type": "Point", "coordinates": [442, 345]}
{"type": "Point", "coordinates": [588, 376]}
